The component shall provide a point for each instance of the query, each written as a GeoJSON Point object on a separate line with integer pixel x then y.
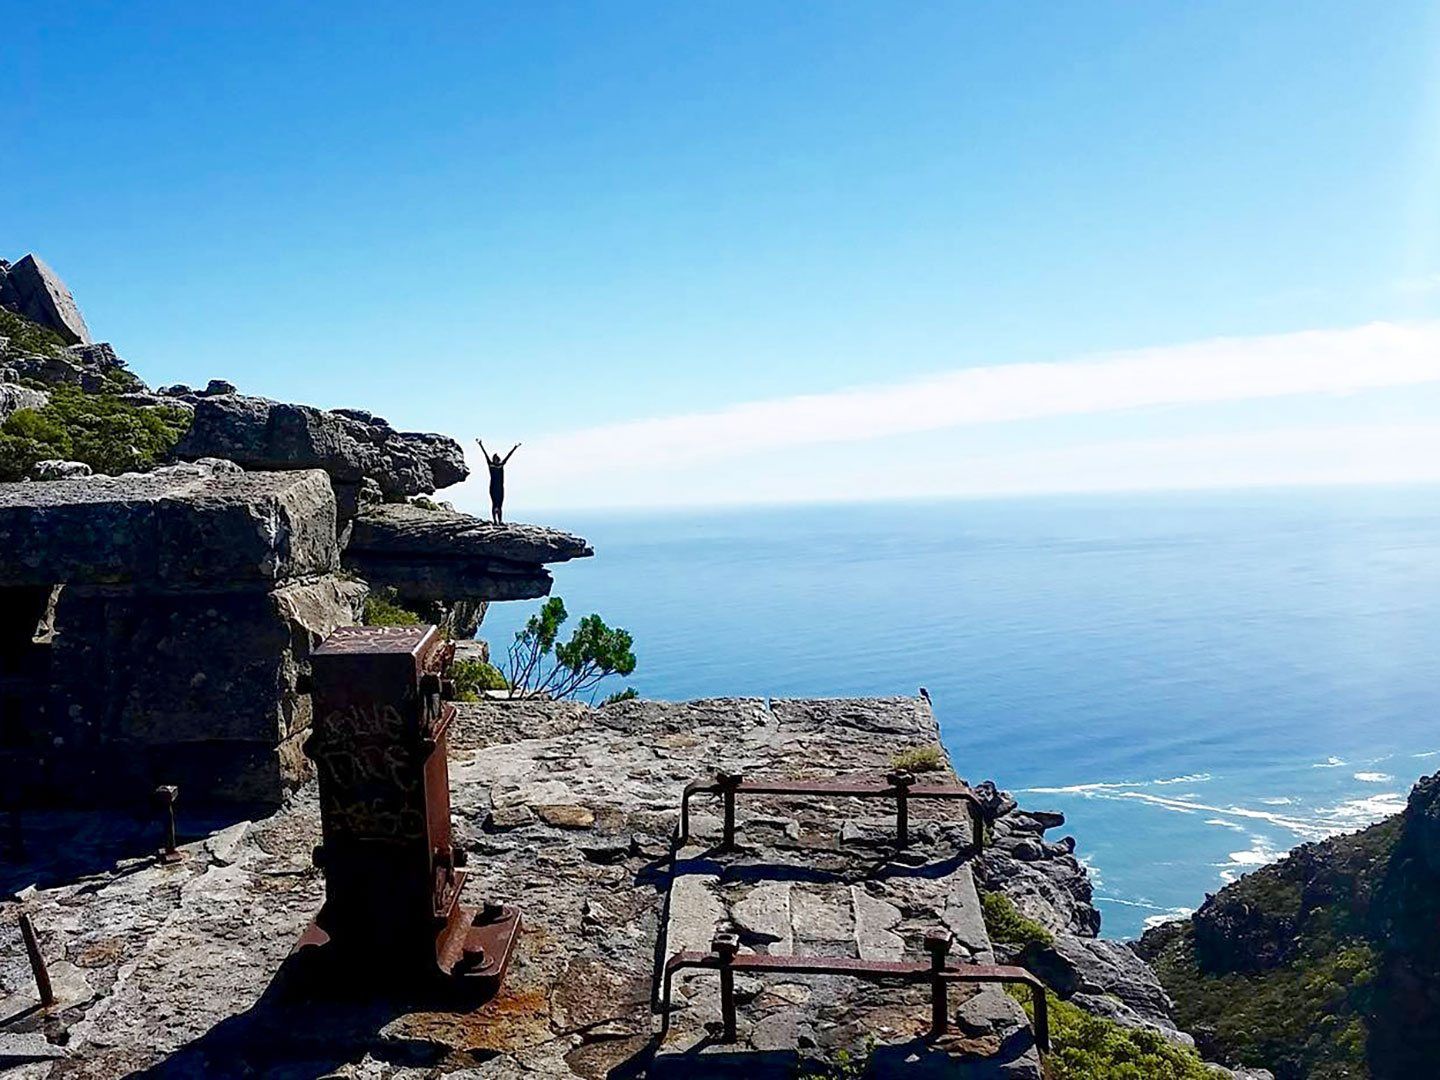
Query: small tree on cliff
{"type": "Point", "coordinates": [540, 663]}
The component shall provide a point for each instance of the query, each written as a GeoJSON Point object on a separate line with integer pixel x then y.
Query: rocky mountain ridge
{"type": "Point", "coordinates": [1325, 964]}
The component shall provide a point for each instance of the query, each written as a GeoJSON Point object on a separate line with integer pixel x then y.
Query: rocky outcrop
{"type": "Point", "coordinates": [1105, 978]}
{"type": "Point", "coordinates": [442, 555]}
{"type": "Point", "coordinates": [1046, 882]}
{"type": "Point", "coordinates": [94, 368]}
{"type": "Point", "coordinates": [350, 445]}
{"type": "Point", "coordinates": [30, 288]}
{"type": "Point", "coordinates": [14, 398]}
{"type": "Point", "coordinates": [155, 628]}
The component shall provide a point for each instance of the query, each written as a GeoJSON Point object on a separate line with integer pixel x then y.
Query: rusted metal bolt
{"type": "Point", "coordinates": [900, 778]}
{"type": "Point", "coordinates": [937, 944]}
{"type": "Point", "coordinates": [725, 779]}
{"type": "Point", "coordinates": [725, 946]}
{"type": "Point", "coordinates": [165, 795]}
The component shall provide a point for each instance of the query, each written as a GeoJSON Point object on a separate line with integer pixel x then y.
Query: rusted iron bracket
{"type": "Point", "coordinates": [393, 875]}
{"type": "Point", "coordinates": [725, 958]}
{"type": "Point", "coordinates": [899, 786]}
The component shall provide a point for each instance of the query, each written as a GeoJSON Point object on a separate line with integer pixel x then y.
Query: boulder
{"type": "Point", "coordinates": [36, 292]}
{"type": "Point", "coordinates": [262, 434]}
{"type": "Point", "coordinates": [54, 469]}
{"type": "Point", "coordinates": [1104, 977]}
{"type": "Point", "coordinates": [14, 397]}
{"type": "Point", "coordinates": [177, 526]}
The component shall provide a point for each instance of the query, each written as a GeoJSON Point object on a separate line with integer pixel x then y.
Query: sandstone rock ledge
{"type": "Point", "coordinates": [569, 812]}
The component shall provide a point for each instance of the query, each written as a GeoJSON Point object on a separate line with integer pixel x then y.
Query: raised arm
{"type": "Point", "coordinates": [506, 459]}
{"type": "Point", "coordinates": [482, 449]}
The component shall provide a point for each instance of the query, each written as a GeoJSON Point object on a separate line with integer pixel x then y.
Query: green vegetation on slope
{"type": "Point", "coordinates": [109, 435]}
{"type": "Point", "coordinates": [1005, 924]}
{"type": "Point", "coordinates": [28, 337]}
{"type": "Point", "coordinates": [1085, 1047]}
{"type": "Point", "coordinates": [1280, 969]}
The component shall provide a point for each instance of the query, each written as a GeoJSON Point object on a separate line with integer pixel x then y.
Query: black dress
{"type": "Point", "coordinates": [497, 483]}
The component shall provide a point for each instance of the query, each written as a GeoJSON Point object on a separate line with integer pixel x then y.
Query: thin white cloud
{"type": "Point", "coordinates": [1226, 369]}
{"type": "Point", "coordinates": [852, 443]}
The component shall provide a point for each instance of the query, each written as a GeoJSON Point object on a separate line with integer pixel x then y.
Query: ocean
{"type": "Point", "coordinates": [1200, 681]}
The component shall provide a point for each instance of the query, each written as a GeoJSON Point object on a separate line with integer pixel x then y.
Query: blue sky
{"type": "Point", "coordinates": [569, 223]}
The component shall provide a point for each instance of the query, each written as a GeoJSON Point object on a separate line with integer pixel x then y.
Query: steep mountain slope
{"type": "Point", "coordinates": [1324, 965]}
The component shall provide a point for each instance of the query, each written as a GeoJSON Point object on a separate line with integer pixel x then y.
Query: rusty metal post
{"type": "Point", "coordinates": [725, 946]}
{"type": "Point", "coordinates": [393, 875]}
{"type": "Point", "coordinates": [165, 795]}
{"type": "Point", "coordinates": [1040, 998]}
{"type": "Point", "coordinates": [901, 780]}
{"type": "Point", "coordinates": [37, 961]}
{"type": "Point", "coordinates": [728, 783]}
{"type": "Point", "coordinates": [937, 944]}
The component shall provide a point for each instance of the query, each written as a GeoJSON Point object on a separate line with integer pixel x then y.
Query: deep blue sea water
{"type": "Point", "coordinates": [1199, 681]}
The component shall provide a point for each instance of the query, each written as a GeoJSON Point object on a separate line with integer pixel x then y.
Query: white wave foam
{"type": "Point", "coordinates": [1173, 915]}
{"type": "Point", "coordinates": [1328, 763]}
{"type": "Point", "coordinates": [1117, 785]}
{"type": "Point", "coordinates": [1429, 753]}
{"type": "Point", "coordinates": [1224, 824]}
{"type": "Point", "coordinates": [1278, 801]}
{"type": "Point", "coordinates": [1374, 777]}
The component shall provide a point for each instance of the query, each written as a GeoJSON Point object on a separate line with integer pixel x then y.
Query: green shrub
{"type": "Point", "coordinates": [382, 608]}
{"type": "Point", "coordinates": [28, 337]}
{"type": "Point", "coordinates": [109, 435]}
{"type": "Point", "coordinates": [474, 676]}
{"type": "Point", "coordinates": [919, 759]}
{"type": "Point", "coordinates": [1085, 1047]}
{"type": "Point", "coordinates": [628, 694]}
{"type": "Point", "coordinates": [1004, 923]}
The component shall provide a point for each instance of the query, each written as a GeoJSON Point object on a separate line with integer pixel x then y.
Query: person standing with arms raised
{"type": "Point", "coordinates": [497, 465]}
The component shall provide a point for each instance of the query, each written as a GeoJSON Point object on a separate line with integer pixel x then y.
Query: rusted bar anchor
{"type": "Point", "coordinates": [937, 944]}
{"type": "Point", "coordinates": [725, 946]}
{"type": "Point", "coordinates": [901, 781]}
{"type": "Point", "coordinates": [37, 961]}
{"type": "Point", "coordinates": [165, 795]}
{"type": "Point", "coordinates": [728, 784]}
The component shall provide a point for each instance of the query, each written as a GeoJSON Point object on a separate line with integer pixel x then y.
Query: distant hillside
{"type": "Point", "coordinates": [1324, 965]}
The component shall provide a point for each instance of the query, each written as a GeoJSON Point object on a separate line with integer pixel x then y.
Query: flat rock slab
{"type": "Point", "coordinates": [187, 962]}
{"type": "Point", "coordinates": [445, 555]}
{"type": "Point", "coordinates": [186, 526]}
